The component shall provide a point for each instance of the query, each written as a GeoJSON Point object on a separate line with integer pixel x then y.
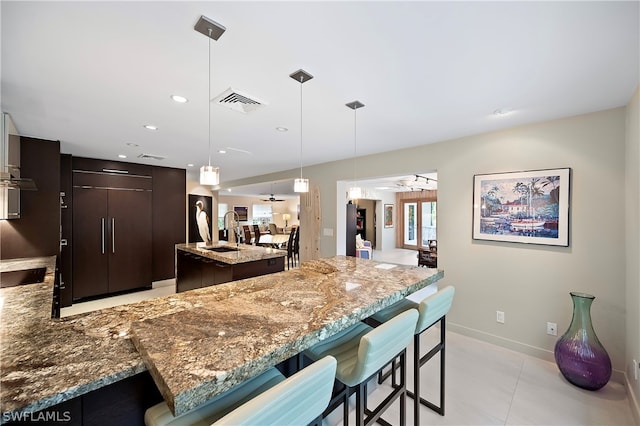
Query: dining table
{"type": "Point", "coordinates": [198, 353]}
{"type": "Point", "coordinates": [277, 241]}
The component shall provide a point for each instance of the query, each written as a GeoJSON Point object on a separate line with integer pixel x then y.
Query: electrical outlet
{"type": "Point", "coordinates": [500, 317]}
{"type": "Point", "coordinates": [552, 329]}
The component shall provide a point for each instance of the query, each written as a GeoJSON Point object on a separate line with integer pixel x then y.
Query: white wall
{"type": "Point", "coordinates": [632, 221]}
{"type": "Point", "coordinates": [531, 284]}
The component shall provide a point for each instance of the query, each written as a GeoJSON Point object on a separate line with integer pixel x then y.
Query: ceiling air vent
{"type": "Point", "coordinates": [238, 101]}
{"type": "Point", "coordinates": [151, 157]}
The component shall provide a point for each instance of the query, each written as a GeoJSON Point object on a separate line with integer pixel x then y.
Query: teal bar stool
{"type": "Point", "coordinates": [268, 399]}
{"type": "Point", "coordinates": [361, 352]}
{"type": "Point", "coordinates": [433, 309]}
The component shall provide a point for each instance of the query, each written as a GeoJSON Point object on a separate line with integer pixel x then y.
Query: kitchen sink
{"type": "Point", "coordinates": [222, 249]}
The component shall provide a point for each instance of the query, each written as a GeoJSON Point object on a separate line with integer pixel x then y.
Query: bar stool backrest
{"type": "Point", "coordinates": [434, 307]}
{"type": "Point", "coordinates": [381, 345]}
{"type": "Point", "coordinates": [298, 400]}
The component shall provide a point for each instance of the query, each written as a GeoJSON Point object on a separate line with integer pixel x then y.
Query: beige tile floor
{"type": "Point", "coordinates": [485, 384]}
{"type": "Point", "coordinates": [490, 385]}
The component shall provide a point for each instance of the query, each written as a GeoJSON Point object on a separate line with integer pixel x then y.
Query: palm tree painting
{"type": "Point", "coordinates": [526, 207]}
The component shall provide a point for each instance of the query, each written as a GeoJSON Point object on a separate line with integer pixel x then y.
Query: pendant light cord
{"type": "Point", "coordinates": [209, 97]}
{"type": "Point", "coordinates": [355, 139]}
{"type": "Point", "coordinates": [301, 81]}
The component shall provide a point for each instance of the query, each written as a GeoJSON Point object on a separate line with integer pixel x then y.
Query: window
{"type": "Point", "coordinates": [262, 213]}
{"type": "Point", "coordinates": [222, 210]}
{"type": "Point", "coordinates": [428, 222]}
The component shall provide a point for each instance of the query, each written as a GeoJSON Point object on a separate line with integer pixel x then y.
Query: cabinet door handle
{"type": "Point", "coordinates": [113, 235]}
{"type": "Point", "coordinates": [102, 223]}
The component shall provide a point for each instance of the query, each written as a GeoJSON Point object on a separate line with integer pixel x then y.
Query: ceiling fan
{"type": "Point", "coordinates": [272, 199]}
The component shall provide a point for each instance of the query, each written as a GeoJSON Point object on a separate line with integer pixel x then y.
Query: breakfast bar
{"type": "Point", "coordinates": [195, 344]}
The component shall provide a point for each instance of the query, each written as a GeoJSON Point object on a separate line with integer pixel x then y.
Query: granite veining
{"type": "Point", "coordinates": [198, 353]}
{"type": "Point", "coordinates": [244, 253]}
{"type": "Point", "coordinates": [46, 361]}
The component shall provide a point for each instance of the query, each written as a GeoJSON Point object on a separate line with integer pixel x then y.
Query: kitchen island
{"type": "Point", "coordinates": [46, 362]}
{"type": "Point", "coordinates": [199, 265]}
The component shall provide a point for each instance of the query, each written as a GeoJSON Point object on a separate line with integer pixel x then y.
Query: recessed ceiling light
{"type": "Point", "coordinates": [133, 145]}
{"type": "Point", "coordinates": [179, 99]}
{"type": "Point", "coordinates": [122, 156]}
{"type": "Point", "coordinates": [150, 127]}
{"type": "Point", "coordinates": [190, 165]}
{"type": "Point", "coordinates": [282, 129]}
{"type": "Point", "coordinates": [222, 151]}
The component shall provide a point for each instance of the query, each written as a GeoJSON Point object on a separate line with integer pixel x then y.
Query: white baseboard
{"type": "Point", "coordinates": [545, 354]}
{"type": "Point", "coordinates": [634, 400]}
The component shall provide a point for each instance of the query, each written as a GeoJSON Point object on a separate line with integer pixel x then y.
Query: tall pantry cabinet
{"type": "Point", "coordinates": [112, 227]}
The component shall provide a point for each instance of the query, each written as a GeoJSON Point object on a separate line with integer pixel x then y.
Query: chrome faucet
{"type": "Point", "coordinates": [237, 230]}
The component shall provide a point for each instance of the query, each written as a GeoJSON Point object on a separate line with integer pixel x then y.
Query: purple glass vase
{"type": "Point", "coordinates": [579, 354]}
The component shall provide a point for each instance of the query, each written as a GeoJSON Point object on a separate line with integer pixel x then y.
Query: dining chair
{"type": "Point", "coordinates": [296, 244]}
{"type": "Point", "coordinates": [291, 260]}
{"type": "Point", "coordinates": [361, 351]}
{"type": "Point", "coordinates": [268, 399]}
{"type": "Point", "coordinates": [247, 234]}
{"type": "Point", "coordinates": [256, 234]}
{"type": "Point", "coordinates": [432, 309]}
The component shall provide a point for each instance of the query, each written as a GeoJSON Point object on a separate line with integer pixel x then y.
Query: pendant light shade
{"type": "Point", "coordinates": [355, 192]}
{"type": "Point", "coordinates": [301, 185]}
{"type": "Point", "coordinates": [209, 175]}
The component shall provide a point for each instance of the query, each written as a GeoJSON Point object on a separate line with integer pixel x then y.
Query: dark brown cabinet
{"type": "Point", "coordinates": [113, 240]}
{"type": "Point", "coordinates": [350, 246]}
{"type": "Point", "coordinates": [169, 220]}
{"type": "Point", "coordinates": [112, 230]}
{"type": "Point", "coordinates": [194, 271]}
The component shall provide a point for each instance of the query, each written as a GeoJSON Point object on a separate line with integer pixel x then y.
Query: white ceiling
{"type": "Point", "coordinates": [91, 74]}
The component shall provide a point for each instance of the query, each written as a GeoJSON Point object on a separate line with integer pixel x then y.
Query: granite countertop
{"type": "Point", "coordinates": [46, 361]}
{"type": "Point", "coordinates": [196, 354]}
{"type": "Point", "coordinates": [244, 253]}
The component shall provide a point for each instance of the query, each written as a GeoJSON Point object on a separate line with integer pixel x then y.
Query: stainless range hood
{"type": "Point", "coordinates": [11, 183]}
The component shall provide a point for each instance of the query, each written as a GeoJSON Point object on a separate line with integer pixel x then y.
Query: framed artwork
{"type": "Point", "coordinates": [242, 212]}
{"type": "Point", "coordinates": [530, 207]}
{"type": "Point", "coordinates": [388, 215]}
{"type": "Point", "coordinates": [197, 229]}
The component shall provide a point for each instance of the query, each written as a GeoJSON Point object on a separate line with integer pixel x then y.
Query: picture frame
{"type": "Point", "coordinates": [388, 215]}
{"type": "Point", "coordinates": [193, 230]}
{"type": "Point", "coordinates": [529, 207]}
{"type": "Point", "coordinates": [242, 211]}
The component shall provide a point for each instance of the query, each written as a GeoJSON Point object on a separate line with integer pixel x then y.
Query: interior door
{"type": "Point", "coordinates": [90, 259]}
{"type": "Point", "coordinates": [129, 239]}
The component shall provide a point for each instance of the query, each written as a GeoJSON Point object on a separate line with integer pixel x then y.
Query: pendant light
{"type": "Point", "coordinates": [301, 184]}
{"type": "Point", "coordinates": [209, 175]}
{"type": "Point", "coordinates": [355, 192]}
